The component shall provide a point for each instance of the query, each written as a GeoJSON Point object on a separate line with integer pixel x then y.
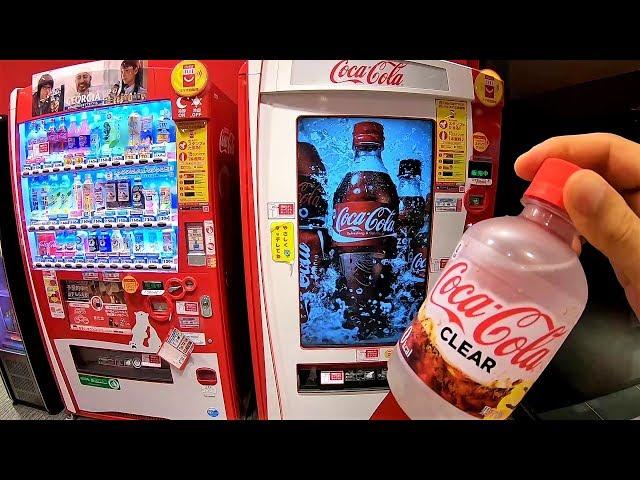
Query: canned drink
{"type": "Point", "coordinates": [138, 242]}
{"type": "Point", "coordinates": [104, 242]}
{"type": "Point", "coordinates": [46, 242]}
{"type": "Point", "coordinates": [92, 242]}
{"type": "Point", "coordinates": [167, 242]}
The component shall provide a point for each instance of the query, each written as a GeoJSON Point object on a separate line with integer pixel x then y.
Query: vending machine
{"type": "Point", "coordinates": [357, 179]}
{"type": "Point", "coordinates": [24, 366]}
{"type": "Point", "coordinates": [124, 175]}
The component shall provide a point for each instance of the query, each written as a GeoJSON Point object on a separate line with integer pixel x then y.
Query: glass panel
{"type": "Point", "coordinates": [364, 222]}
{"type": "Point", "coordinates": [99, 187]}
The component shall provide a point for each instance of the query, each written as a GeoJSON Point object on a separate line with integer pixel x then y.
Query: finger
{"type": "Point", "coordinates": [615, 158]}
{"type": "Point", "coordinates": [602, 216]}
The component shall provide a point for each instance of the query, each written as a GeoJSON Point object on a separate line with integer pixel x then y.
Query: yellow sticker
{"type": "Point", "coordinates": [282, 242]}
{"type": "Point", "coordinates": [191, 153]}
{"type": "Point", "coordinates": [488, 88]}
{"type": "Point", "coordinates": [451, 141]}
{"type": "Point", "coordinates": [189, 78]}
{"type": "Point", "coordinates": [480, 142]}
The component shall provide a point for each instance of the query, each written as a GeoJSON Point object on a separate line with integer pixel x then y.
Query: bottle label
{"type": "Point", "coordinates": [72, 143]}
{"type": "Point", "coordinates": [476, 351]}
{"type": "Point", "coordinates": [123, 192]}
{"type": "Point", "coordinates": [357, 221]}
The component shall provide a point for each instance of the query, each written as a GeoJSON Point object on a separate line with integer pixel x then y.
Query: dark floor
{"type": "Point", "coordinates": [9, 411]}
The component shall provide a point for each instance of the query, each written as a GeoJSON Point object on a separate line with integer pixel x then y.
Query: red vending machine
{"type": "Point", "coordinates": [124, 175]}
{"type": "Point", "coordinates": [358, 179]}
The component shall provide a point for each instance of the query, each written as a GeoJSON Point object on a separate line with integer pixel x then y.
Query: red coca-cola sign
{"type": "Point", "coordinates": [522, 333]}
{"type": "Point", "coordinates": [364, 220]}
{"type": "Point", "coordinates": [384, 72]}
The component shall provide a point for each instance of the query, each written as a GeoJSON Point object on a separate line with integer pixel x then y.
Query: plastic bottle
{"type": "Point", "coordinates": [70, 244]}
{"type": "Point", "coordinates": [34, 197]}
{"type": "Point", "coordinates": [44, 149]}
{"type": "Point", "coordinates": [166, 128]}
{"type": "Point", "coordinates": [124, 192]}
{"type": "Point", "coordinates": [506, 301]}
{"type": "Point", "coordinates": [65, 196]}
{"type": "Point", "coordinates": [167, 243]}
{"type": "Point", "coordinates": [92, 242]}
{"type": "Point", "coordinates": [137, 194]}
{"type": "Point", "coordinates": [100, 193]}
{"type": "Point", "coordinates": [77, 207]}
{"type": "Point", "coordinates": [165, 197]}
{"type": "Point", "coordinates": [82, 243]}
{"type": "Point", "coordinates": [117, 242]}
{"type": "Point", "coordinates": [95, 139]}
{"type": "Point", "coordinates": [52, 137]}
{"type": "Point", "coordinates": [84, 136]}
{"type": "Point", "coordinates": [62, 135]}
{"type": "Point", "coordinates": [104, 241]}
{"type": "Point", "coordinates": [138, 242]}
{"type": "Point", "coordinates": [53, 196]}
{"type": "Point", "coordinates": [72, 135]}
{"type": "Point", "coordinates": [151, 200]}
{"type": "Point", "coordinates": [152, 243]}
{"type": "Point", "coordinates": [32, 143]}
{"type": "Point", "coordinates": [88, 196]}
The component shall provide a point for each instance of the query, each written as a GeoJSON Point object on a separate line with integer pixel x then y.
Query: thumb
{"type": "Point", "coordinates": [602, 216]}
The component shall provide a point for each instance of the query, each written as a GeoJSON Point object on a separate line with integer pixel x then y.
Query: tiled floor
{"type": "Point", "coordinates": [9, 411]}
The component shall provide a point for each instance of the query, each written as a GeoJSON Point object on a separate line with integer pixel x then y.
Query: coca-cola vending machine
{"type": "Point", "coordinates": [124, 176]}
{"type": "Point", "coordinates": [354, 176]}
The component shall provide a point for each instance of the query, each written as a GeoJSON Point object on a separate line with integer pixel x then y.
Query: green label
{"type": "Point", "coordinates": [100, 382]}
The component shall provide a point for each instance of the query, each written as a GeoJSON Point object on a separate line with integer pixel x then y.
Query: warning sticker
{"type": "Point", "coordinates": [281, 210]}
{"type": "Point", "coordinates": [193, 186]}
{"type": "Point", "coordinates": [282, 249]}
{"type": "Point", "coordinates": [451, 141]}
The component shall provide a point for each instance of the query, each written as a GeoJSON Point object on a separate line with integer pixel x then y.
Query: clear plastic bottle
{"type": "Point", "coordinates": [88, 196]}
{"type": "Point", "coordinates": [506, 301]}
{"type": "Point", "coordinates": [77, 207]}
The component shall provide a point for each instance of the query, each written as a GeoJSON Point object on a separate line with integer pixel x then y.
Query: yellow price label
{"type": "Point", "coordinates": [282, 242]}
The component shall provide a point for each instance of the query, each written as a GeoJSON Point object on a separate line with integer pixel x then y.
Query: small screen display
{"type": "Point", "coordinates": [152, 286]}
{"type": "Point", "coordinates": [480, 169]}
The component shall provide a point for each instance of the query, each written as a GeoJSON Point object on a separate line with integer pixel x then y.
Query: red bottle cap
{"type": "Point", "coordinates": [549, 181]}
{"type": "Point", "coordinates": [368, 132]}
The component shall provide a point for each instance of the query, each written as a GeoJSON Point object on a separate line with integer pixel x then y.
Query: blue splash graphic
{"type": "Point", "coordinates": [333, 137]}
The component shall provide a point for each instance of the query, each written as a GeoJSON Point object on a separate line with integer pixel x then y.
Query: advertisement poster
{"type": "Point", "coordinates": [364, 219]}
{"type": "Point", "coordinates": [104, 82]}
{"type": "Point", "coordinates": [95, 306]}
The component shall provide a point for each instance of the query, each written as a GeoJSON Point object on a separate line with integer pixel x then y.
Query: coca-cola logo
{"type": "Point", "coordinates": [522, 333]}
{"type": "Point", "coordinates": [227, 141]}
{"type": "Point", "coordinates": [311, 194]}
{"type": "Point", "coordinates": [355, 220]}
{"type": "Point", "coordinates": [384, 72]}
{"type": "Point", "coordinates": [305, 265]}
{"type": "Point", "coordinates": [419, 265]}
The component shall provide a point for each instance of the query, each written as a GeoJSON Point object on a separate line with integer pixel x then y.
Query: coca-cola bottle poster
{"type": "Point", "coordinates": [363, 227]}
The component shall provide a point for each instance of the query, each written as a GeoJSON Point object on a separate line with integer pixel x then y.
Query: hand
{"type": "Point", "coordinates": [603, 201]}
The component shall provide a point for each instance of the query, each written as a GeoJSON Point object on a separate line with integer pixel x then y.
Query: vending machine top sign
{"type": "Point", "coordinates": [372, 157]}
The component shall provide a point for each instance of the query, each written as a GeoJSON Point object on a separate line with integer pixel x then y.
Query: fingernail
{"type": "Point", "coordinates": [587, 192]}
